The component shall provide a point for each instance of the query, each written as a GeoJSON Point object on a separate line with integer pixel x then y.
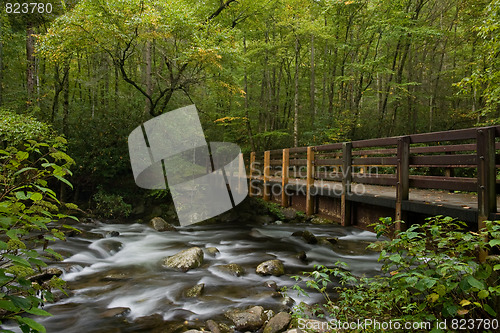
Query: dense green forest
{"type": "Point", "coordinates": [263, 74]}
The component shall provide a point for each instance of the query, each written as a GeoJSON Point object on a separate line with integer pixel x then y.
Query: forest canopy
{"type": "Point", "coordinates": [263, 74]}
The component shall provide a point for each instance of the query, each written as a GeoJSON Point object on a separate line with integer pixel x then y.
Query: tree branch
{"type": "Point", "coordinates": [223, 6]}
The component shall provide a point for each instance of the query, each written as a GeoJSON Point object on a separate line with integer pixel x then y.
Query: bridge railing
{"type": "Point", "coordinates": [458, 160]}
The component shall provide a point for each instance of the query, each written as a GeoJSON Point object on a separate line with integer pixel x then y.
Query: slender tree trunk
{"type": "Point", "coordinates": [247, 116]}
{"type": "Point", "coordinates": [296, 96]}
{"type": "Point", "coordinates": [147, 78]}
{"type": "Point", "coordinates": [30, 63]}
{"type": "Point", "coordinates": [313, 84]}
{"type": "Point", "coordinates": [65, 98]}
{"type": "Point", "coordinates": [1, 69]}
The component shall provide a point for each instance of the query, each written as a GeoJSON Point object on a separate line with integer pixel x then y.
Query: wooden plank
{"type": "Point", "coordinates": [391, 161]}
{"type": "Point", "coordinates": [333, 146]}
{"type": "Point", "coordinates": [444, 160]}
{"type": "Point", "coordinates": [463, 134]}
{"type": "Point", "coordinates": [298, 162]}
{"type": "Point", "coordinates": [388, 180]}
{"type": "Point", "coordinates": [330, 161]}
{"type": "Point", "coordinates": [403, 178]}
{"type": "Point", "coordinates": [345, 205]}
{"type": "Point", "coordinates": [310, 181]}
{"type": "Point", "coordinates": [375, 142]}
{"type": "Point", "coordinates": [284, 177]}
{"type": "Point", "coordinates": [275, 162]}
{"type": "Point", "coordinates": [267, 169]}
{"type": "Point", "coordinates": [444, 183]}
{"type": "Point", "coordinates": [390, 151]}
{"type": "Point", "coordinates": [443, 149]}
{"type": "Point", "coordinates": [298, 150]}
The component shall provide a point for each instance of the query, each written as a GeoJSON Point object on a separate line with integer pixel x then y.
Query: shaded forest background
{"type": "Point", "coordinates": [263, 74]}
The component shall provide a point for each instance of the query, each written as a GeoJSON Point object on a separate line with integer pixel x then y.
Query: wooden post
{"type": "Point", "coordinates": [284, 177]}
{"type": "Point", "coordinates": [310, 181]}
{"type": "Point", "coordinates": [251, 171]}
{"type": "Point", "coordinates": [403, 178]}
{"type": "Point", "coordinates": [486, 178]}
{"type": "Point", "coordinates": [345, 204]}
{"type": "Point", "coordinates": [267, 171]}
{"type": "Point", "coordinates": [241, 173]}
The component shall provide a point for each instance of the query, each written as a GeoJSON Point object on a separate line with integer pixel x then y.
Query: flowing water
{"type": "Point", "coordinates": [125, 271]}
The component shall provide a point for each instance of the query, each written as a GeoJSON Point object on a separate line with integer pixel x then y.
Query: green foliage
{"type": "Point", "coordinates": [16, 128]}
{"type": "Point", "coordinates": [430, 271]}
{"type": "Point", "coordinates": [110, 205]}
{"type": "Point", "coordinates": [28, 210]}
{"type": "Point", "coordinates": [273, 208]}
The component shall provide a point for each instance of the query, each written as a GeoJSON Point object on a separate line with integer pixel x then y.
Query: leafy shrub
{"type": "Point", "coordinates": [111, 205]}
{"type": "Point", "coordinates": [28, 210]}
{"type": "Point", "coordinates": [16, 128]}
{"type": "Point", "coordinates": [431, 272]}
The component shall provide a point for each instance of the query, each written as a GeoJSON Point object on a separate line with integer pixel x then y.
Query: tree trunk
{"type": "Point", "coordinates": [296, 96]}
{"type": "Point", "coordinates": [147, 78]}
{"type": "Point", "coordinates": [313, 84]}
{"type": "Point", "coordinates": [30, 63]}
{"type": "Point", "coordinates": [65, 97]}
{"type": "Point", "coordinates": [1, 69]}
{"type": "Point", "coordinates": [247, 116]}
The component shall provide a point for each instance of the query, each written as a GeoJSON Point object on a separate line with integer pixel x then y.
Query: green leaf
{"type": "Point", "coordinates": [483, 294]}
{"type": "Point", "coordinates": [36, 196]}
{"type": "Point", "coordinates": [23, 170]}
{"type": "Point", "coordinates": [21, 302]}
{"type": "Point", "coordinates": [54, 253]}
{"type": "Point", "coordinates": [65, 181]}
{"type": "Point", "coordinates": [475, 283]}
{"type": "Point", "coordinates": [395, 258]}
{"type": "Point", "coordinates": [8, 305]}
{"type": "Point", "coordinates": [33, 324]}
{"type": "Point", "coordinates": [494, 242]}
{"type": "Point", "coordinates": [496, 267]}
{"type": "Point", "coordinates": [38, 312]}
{"type": "Point", "coordinates": [21, 196]}
{"type": "Point", "coordinates": [18, 260]}
{"type": "Point", "coordinates": [490, 310]}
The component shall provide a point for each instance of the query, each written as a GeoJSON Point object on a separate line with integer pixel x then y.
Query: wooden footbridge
{"type": "Point", "coordinates": [408, 177]}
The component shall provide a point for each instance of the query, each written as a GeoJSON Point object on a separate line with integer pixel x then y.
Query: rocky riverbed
{"type": "Point", "coordinates": [224, 277]}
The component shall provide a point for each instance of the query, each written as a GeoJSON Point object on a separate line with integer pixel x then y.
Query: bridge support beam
{"type": "Point", "coordinates": [284, 177]}
{"type": "Point", "coordinates": [310, 181]}
{"type": "Point", "coordinates": [345, 204]}
{"type": "Point", "coordinates": [486, 178]}
{"type": "Point", "coordinates": [267, 172]}
{"type": "Point", "coordinates": [403, 178]}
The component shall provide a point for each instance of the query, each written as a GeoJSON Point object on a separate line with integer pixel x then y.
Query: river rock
{"type": "Point", "coordinates": [271, 284]}
{"type": "Point", "coordinates": [195, 291]}
{"type": "Point", "coordinates": [160, 224]}
{"type": "Point", "coordinates": [115, 312]}
{"type": "Point", "coordinates": [307, 236]}
{"type": "Point", "coordinates": [212, 326]}
{"type": "Point", "coordinates": [278, 323]}
{"type": "Point", "coordinates": [271, 267]}
{"type": "Point", "coordinates": [212, 251]}
{"type": "Point", "coordinates": [251, 319]}
{"type": "Point", "coordinates": [302, 256]}
{"type": "Point", "coordinates": [289, 213]}
{"type": "Point", "coordinates": [185, 260]}
{"type": "Point", "coordinates": [320, 220]}
{"type": "Point", "coordinates": [233, 269]}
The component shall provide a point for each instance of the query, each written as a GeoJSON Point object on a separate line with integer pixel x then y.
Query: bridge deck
{"type": "Point", "coordinates": [437, 202]}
